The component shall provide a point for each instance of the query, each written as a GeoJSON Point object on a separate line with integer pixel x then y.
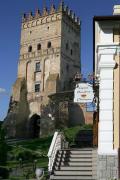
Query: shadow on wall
{"type": "Point", "coordinates": [76, 115]}
{"type": "Point", "coordinates": [17, 118]}
{"type": "Point", "coordinates": [47, 124]}
{"type": "Point", "coordinates": [23, 112]}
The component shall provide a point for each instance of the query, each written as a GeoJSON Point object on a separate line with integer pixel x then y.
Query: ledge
{"type": "Point", "coordinates": [109, 48]}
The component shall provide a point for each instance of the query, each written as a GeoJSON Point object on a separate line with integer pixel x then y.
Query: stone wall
{"type": "Point", "coordinates": [16, 122]}
{"type": "Point", "coordinates": [107, 167]}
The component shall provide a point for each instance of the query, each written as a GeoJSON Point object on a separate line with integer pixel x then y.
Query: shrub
{"type": "Point", "coordinates": [3, 147]}
{"type": "Point", "coordinates": [86, 127]}
{"type": "Point", "coordinates": [4, 173]}
{"type": "Point", "coordinates": [23, 154]}
{"type": "Point", "coordinates": [70, 133]}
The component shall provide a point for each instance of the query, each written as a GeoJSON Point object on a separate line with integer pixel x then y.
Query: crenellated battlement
{"type": "Point", "coordinates": [53, 11]}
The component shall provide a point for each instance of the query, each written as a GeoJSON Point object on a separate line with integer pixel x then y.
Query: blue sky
{"type": "Point", "coordinates": [10, 24]}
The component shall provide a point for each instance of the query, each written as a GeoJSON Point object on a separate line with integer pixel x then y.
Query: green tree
{"type": "Point", "coordinates": [4, 172]}
{"type": "Point", "coordinates": [3, 147]}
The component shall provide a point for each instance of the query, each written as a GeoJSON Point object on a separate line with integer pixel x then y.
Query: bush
{"type": "Point", "coordinates": [3, 147]}
{"type": "Point", "coordinates": [4, 173]}
{"type": "Point", "coordinates": [23, 154]}
{"type": "Point", "coordinates": [3, 153]}
{"type": "Point", "coordinates": [86, 127]}
{"type": "Point", "coordinates": [70, 133]}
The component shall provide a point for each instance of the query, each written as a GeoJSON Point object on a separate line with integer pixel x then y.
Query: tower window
{"type": "Point", "coordinates": [30, 49]}
{"type": "Point", "coordinates": [49, 44]}
{"type": "Point", "coordinates": [67, 46]}
{"type": "Point", "coordinates": [37, 87]}
{"type": "Point", "coordinates": [39, 47]}
{"type": "Point", "coordinates": [37, 67]}
{"type": "Point", "coordinates": [71, 52]}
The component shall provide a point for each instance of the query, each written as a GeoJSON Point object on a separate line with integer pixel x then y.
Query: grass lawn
{"type": "Point", "coordinates": [28, 155]}
{"type": "Point", "coordinates": [24, 157]}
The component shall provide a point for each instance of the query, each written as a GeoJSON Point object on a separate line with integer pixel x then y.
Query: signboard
{"type": "Point", "coordinates": [83, 93]}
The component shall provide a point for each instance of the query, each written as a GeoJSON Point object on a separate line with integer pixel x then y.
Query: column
{"type": "Point", "coordinates": [106, 122]}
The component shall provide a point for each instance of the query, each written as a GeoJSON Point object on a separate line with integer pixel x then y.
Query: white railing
{"type": "Point", "coordinates": [58, 142]}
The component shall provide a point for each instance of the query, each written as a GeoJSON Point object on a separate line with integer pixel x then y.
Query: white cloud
{"type": "Point", "coordinates": [2, 90]}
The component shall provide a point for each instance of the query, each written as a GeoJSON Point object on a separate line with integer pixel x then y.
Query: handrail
{"type": "Point", "coordinates": [58, 142]}
{"type": "Point", "coordinates": [52, 144]}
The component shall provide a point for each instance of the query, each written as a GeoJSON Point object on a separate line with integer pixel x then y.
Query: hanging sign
{"type": "Point", "coordinates": [83, 93]}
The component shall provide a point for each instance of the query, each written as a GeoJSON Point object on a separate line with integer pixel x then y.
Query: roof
{"type": "Point", "coordinates": [106, 18]}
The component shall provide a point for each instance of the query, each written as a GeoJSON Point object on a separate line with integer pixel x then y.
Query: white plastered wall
{"type": "Point", "coordinates": [106, 50]}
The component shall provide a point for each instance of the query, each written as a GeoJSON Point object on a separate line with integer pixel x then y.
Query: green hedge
{"type": "Point", "coordinates": [70, 133]}
{"type": "Point", "coordinates": [4, 172]}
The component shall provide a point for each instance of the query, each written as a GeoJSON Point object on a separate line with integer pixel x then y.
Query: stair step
{"type": "Point", "coordinates": [72, 177]}
{"type": "Point", "coordinates": [83, 164]}
{"type": "Point", "coordinates": [72, 168]}
{"type": "Point", "coordinates": [75, 164]}
{"type": "Point", "coordinates": [74, 159]}
{"type": "Point", "coordinates": [76, 152]}
{"type": "Point", "coordinates": [75, 155]}
{"type": "Point", "coordinates": [78, 149]}
{"type": "Point", "coordinates": [73, 173]}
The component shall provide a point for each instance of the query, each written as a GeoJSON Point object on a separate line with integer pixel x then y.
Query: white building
{"type": "Point", "coordinates": [107, 66]}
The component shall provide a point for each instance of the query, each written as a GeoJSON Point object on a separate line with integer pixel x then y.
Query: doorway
{"type": "Point", "coordinates": [35, 126]}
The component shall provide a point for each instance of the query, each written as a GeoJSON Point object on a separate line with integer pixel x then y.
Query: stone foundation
{"type": "Point", "coordinates": [107, 167]}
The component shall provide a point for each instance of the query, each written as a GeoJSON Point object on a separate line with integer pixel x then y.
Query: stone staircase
{"type": "Point", "coordinates": [75, 164]}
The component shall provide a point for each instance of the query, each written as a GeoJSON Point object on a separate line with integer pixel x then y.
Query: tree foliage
{"type": "Point", "coordinates": [3, 147]}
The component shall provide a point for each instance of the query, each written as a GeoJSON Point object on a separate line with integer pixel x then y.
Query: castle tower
{"type": "Point", "coordinates": [49, 59]}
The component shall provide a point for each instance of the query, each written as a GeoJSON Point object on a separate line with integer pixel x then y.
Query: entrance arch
{"type": "Point", "coordinates": [35, 126]}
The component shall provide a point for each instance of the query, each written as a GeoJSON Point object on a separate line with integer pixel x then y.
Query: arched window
{"type": "Point", "coordinates": [30, 49]}
{"type": "Point", "coordinates": [39, 47]}
{"type": "Point", "coordinates": [49, 44]}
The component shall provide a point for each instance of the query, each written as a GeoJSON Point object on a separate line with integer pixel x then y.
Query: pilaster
{"type": "Point", "coordinates": [107, 154]}
{"type": "Point", "coordinates": [106, 122]}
